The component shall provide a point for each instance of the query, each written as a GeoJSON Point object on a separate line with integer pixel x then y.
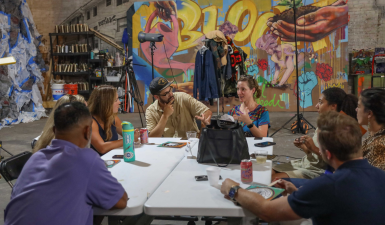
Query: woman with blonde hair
{"type": "Point", "coordinates": [47, 135]}
{"type": "Point", "coordinates": [254, 118]}
{"type": "Point", "coordinates": [104, 106]}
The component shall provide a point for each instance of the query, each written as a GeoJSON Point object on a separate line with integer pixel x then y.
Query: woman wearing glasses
{"type": "Point", "coordinates": [253, 117]}
{"type": "Point", "coordinates": [104, 106]}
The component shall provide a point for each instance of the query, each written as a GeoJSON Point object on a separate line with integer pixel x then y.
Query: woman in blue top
{"type": "Point", "coordinates": [253, 117]}
{"type": "Point", "coordinates": [104, 106]}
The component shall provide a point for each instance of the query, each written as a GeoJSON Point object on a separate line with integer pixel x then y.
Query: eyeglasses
{"type": "Point", "coordinates": [167, 93]}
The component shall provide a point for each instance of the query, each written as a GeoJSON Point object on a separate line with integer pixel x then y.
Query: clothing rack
{"type": "Point", "coordinates": [218, 99]}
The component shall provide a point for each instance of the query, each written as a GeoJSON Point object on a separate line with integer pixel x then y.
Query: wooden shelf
{"type": "Point", "coordinates": [96, 78]}
{"type": "Point", "coordinates": [71, 73]}
{"type": "Point", "coordinates": [49, 104]}
{"type": "Point", "coordinates": [83, 92]}
{"type": "Point", "coordinates": [69, 34]}
{"type": "Point", "coordinates": [95, 60]}
{"type": "Point", "coordinates": [72, 54]}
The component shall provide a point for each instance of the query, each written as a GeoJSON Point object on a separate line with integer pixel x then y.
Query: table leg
{"type": "Point", "coordinates": [141, 219]}
{"type": "Point", "coordinates": [242, 221]}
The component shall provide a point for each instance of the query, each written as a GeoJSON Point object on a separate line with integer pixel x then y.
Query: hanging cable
{"type": "Point", "coordinates": [168, 60]}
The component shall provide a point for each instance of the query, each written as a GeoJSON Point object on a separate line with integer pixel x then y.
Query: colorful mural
{"type": "Point", "coordinates": [264, 30]}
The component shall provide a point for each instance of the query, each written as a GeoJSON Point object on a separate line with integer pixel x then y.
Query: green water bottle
{"type": "Point", "coordinates": [128, 142]}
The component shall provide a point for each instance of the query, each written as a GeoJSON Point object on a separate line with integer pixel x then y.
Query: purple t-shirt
{"type": "Point", "coordinates": [59, 185]}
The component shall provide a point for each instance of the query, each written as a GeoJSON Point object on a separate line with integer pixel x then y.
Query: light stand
{"type": "Point", "coordinates": [298, 115]}
{"type": "Point", "coordinates": [152, 47]}
{"type": "Point", "coordinates": [134, 88]}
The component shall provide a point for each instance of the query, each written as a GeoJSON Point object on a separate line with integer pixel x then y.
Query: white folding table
{"type": "Point", "coordinates": [180, 194]}
{"type": "Point", "coordinates": [142, 177]}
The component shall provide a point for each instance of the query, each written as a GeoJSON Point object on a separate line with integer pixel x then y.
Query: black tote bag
{"type": "Point", "coordinates": [222, 143]}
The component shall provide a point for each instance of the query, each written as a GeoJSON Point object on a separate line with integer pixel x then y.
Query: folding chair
{"type": "Point", "coordinates": [11, 168]}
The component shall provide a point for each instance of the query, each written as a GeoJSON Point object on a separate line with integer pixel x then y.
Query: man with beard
{"type": "Point", "coordinates": [173, 114]}
{"type": "Point", "coordinates": [353, 194]}
{"type": "Point", "coordinates": [60, 184]}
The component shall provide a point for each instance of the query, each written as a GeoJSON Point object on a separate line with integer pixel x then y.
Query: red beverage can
{"type": "Point", "coordinates": [246, 171]}
{"type": "Point", "coordinates": [143, 136]}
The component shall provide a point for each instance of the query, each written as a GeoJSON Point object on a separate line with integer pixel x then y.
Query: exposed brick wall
{"type": "Point", "coordinates": [366, 24]}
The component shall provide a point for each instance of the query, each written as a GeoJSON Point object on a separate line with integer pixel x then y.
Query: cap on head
{"type": "Point", "coordinates": [158, 84]}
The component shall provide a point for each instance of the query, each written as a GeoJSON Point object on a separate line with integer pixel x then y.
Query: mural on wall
{"type": "Point", "coordinates": [263, 30]}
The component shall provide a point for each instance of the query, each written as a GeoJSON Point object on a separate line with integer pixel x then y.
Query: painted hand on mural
{"type": "Point", "coordinates": [307, 82]}
{"type": "Point", "coordinates": [313, 26]}
{"type": "Point", "coordinates": [165, 50]}
{"type": "Point", "coordinates": [324, 71]}
{"type": "Point", "coordinates": [165, 9]}
{"type": "Point", "coordinates": [253, 71]}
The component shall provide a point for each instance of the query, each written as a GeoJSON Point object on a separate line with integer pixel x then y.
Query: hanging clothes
{"type": "Point", "coordinates": [218, 53]}
{"type": "Point", "coordinates": [205, 80]}
{"type": "Point", "coordinates": [219, 37]}
{"type": "Point", "coordinates": [242, 66]}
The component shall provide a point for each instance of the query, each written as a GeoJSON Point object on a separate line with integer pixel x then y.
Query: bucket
{"type": "Point", "coordinates": [57, 91]}
{"type": "Point", "coordinates": [66, 88]}
{"type": "Point", "coordinates": [73, 89]}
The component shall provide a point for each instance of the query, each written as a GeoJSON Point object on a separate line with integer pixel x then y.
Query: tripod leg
{"type": "Point", "coordinates": [140, 115]}
{"type": "Point", "coordinates": [7, 152]}
{"type": "Point", "coordinates": [302, 117]}
{"type": "Point", "coordinates": [284, 125]}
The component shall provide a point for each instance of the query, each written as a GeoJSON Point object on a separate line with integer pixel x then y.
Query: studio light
{"type": "Point", "coordinates": [143, 37]}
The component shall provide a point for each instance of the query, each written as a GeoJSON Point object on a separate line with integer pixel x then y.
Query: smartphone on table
{"type": "Point", "coordinates": [264, 144]}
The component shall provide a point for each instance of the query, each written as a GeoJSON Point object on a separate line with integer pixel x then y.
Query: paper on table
{"type": "Point", "coordinates": [227, 117]}
{"type": "Point", "coordinates": [266, 191]}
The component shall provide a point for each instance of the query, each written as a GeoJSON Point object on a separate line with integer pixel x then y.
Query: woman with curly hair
{"type": "Point", "coordinates": [254, 118]}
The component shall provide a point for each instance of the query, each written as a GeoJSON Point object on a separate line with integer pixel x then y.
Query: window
{"type": "Point", "coordinates": [121, 24]}
{"type": "Point", "coordinates": [95, 11]}
{"type": "Point", "coordinates": [108, 2]}
{"type": "Point", "coordinates": [88, 15]}
{"type": "Point", "coordinates": [119, 2]}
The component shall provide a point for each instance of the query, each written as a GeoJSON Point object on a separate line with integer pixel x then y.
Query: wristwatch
{"type": "Point", "coordinates": [233, 191]}
{"type": "Point", "coordinates": [250, 125]}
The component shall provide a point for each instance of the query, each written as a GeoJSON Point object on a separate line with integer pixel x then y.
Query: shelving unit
{"type": "Point", "coordinates": [71, 54]}
{"type": "Point", "coordinates": [77, 57]}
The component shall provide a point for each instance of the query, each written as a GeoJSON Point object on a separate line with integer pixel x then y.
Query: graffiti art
{"type": "Point", "coordinates": [264, 31]}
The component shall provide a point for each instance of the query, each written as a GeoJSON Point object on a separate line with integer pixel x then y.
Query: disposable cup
{"type": "Point", "coordinates": [213, 175]}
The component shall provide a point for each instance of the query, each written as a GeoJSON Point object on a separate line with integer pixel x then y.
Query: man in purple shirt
{"type": "Point", "coordinates": [61, 183]}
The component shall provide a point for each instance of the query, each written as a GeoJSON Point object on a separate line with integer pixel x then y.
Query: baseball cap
{"type": "Point", "coordinates": [158, 84]}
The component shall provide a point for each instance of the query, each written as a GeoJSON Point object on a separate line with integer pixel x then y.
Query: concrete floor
{"type": "Point", "coordinates": [17, 139]}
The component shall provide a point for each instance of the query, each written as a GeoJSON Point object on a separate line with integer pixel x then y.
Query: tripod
{"type": "Point", "coordinates": [1, 147]}
{"type": "Point", "coordinates": [299, 116]}
{"type": "Point", "coordinates": [152, 47]}
{"type": "Point", "coordinates": [134, 88]}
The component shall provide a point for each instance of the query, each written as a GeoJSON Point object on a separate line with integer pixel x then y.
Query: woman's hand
{"type": "Point", "coordinates": [299, 144]}
{"type": "Point", "coordinates": [243, 116]}
{"type": "Point", "coordinates": [308, 143]}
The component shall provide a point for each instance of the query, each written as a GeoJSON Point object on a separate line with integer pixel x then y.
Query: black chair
{"type": "Point", "coordinates": [11, 168]}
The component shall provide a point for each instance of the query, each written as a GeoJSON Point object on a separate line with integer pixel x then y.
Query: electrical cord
{"type": "Point", "coordinates": [168, 60]}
